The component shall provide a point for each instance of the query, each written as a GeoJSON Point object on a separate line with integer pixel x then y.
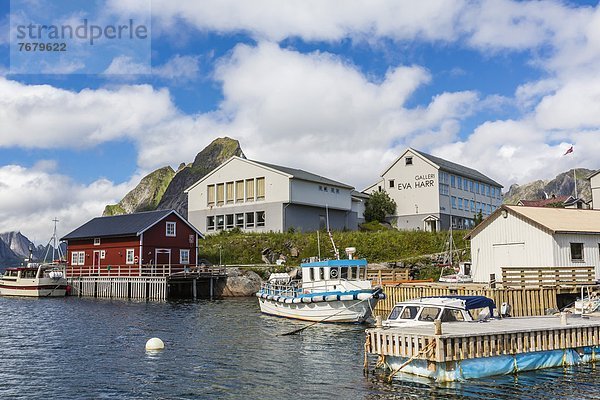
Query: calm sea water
{"type": "Point", "coordinates": [93, 349]}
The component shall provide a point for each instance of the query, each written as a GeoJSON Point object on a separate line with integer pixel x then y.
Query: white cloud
{"type": "Point", "coordinates": [31, 197]}
{"type": "Point", "coordinates": [125, 65]}
{"type": "Point", "coordinates": [178, 68]}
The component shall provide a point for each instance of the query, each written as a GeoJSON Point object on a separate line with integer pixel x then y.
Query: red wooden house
{"type": "Point", "coordinates": [153, 243]}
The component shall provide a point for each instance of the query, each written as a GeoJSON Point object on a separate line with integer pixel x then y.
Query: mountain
{"type": "Point", "coordinates": [213, 155]}
{"type": "Point", "coordinates": [163, 188]}
{"type": "Point", "coordinates": [562, 184]}
{"type": "Point", "coordinates": [146, 195]}
{"type": "Point", "coordinates": [14, 248]}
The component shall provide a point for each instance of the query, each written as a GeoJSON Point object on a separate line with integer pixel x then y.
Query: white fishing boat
{"type": "Point", "coordinates": [329, 291]}
{"type": "Point", "coordinates": [37, 279]}
{"type": "Point", "coordinates": [426, 310]}
{"type": "Point", "coordinates": [34, 280]}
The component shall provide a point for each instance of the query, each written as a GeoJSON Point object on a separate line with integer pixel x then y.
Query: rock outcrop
{"type": "Point", "coordinates": [146, 195]}
{"type": "Point", "coordinates": [240, 283]}
{"type": "Point", "coordinates": [563, 184]}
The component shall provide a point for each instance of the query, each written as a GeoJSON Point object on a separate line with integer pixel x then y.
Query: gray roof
{"type": "Point", "coordinates": [118, 225]}
{"type": "Point", "coordinates": [303, 175]}
{"type": "Point", "coordinates": [458, 169]}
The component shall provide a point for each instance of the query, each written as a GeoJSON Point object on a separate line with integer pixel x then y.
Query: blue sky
{"type": "Point", "coordinates": [504, 87]}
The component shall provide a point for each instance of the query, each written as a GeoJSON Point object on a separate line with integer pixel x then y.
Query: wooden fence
{"type": "Point", "coordinates": [523, 277]}
{"type": "Point", "coordinates": [523, 301]}
{"type": "Point", "coordinates": [388, 275]}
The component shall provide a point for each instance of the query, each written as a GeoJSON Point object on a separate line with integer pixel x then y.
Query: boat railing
{"type": "Point", "coordinates": [288, 289]}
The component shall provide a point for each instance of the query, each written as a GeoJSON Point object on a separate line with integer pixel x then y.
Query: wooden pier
{"type": "Point", "coordinates": [462, 341]}
{"type": "Point", "coordinates": [201, 283]}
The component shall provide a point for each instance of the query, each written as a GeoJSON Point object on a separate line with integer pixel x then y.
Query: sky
{"type": "Point", "coordinates": [336, 88]}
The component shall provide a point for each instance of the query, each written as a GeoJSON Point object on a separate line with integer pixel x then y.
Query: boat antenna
{"type": "Point", "coordinates": [335, 250]}
{"type": "Point", "coordinates": [52, 242]}
{"type": "Point", "coordinates": [318, 246]}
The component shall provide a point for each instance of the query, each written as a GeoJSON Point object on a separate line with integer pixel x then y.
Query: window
{"type": "Point", "coordinates": [239, 220]}
{"type": "Point", "coordinates": [129, 256]}
{"type": "Point", "coordinates": [220, 221]}
{"type": "Point", "coordinates": [492, 191]}
{"type": "Point", "coordinates": [409, 312]}
{"type": "Point", "coordinates": [444, 189]}
{"type": "Point", "coordinates": [210, 195]}
{"type": "Point", "coordinates": [429, 313]}
{"type": "Point", "coordinates": [320, 188]}
{"type": "Point", "coordinates": [471, 186]}
{"type": "Point", "coordinates": [239, 191]}
{"type": "Point", "coordinates": [487, 190]}
{"type": "Point", "coordinates": [453, 202]}
{"type": "Point", "coordinates": [476, 187]}
{"type": "Point", "coordinates": [472, 206]}
{"type": "Point", "coordinates": [81, 260]}
{"type": "Point", "coordinates": [452, 181]}
{"type": "Point", "coordinates": [102, 254]}
{"type": "Point", "coordinates": [249, 220]}
{"type": "Point", "coordinates": [210, 223]}
{"type": "Point", "coordinates": [460, 203]}
{"type": "Point", "coordinates": [96, 241]}
{"type": "Point", "coordinates": [249, 189]}
{"type": "Point", "coordinates": [184, 256]}
{"type": "Point", "coordinates": [260, 188]}
{"type": "Point", "coordinates": [171, 228]}
{"type": "Point", "coordinates": [391, 183]}
{"type": "Point", "coordinates": [408, 161]}
{"type": "Point", "coordinates": [220, 194]}
{"type": "Point", "coordinates": [466, 184]}
{"type": "Point", "coordinates": [459, 183]}
{"type": "Point", "coordinates": [576, 251]}
{"type": "Point", "coordinates": [452, 315]}
{"type": "Point", "coordinates": [478, 206]}
{"type": "Point", "coordinates": [229, 193]}
{"type": "Point", "coordinates": [260, 218]}
{"type": "Point", "coordinates": [75, 258]}
{"type": "Point", "coordinates": [229, 221]}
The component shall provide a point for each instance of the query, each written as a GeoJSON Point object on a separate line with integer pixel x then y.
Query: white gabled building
{"type": "Point", "coordinates": [256, 196]}
{"type": "Point", "coordinates": [595, 186]}
{"type": "Point", "coordinates": [433, 194]}
{"type": "Point", "coordinates": [535, 237]}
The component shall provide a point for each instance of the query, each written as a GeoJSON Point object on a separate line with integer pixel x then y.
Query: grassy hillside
{"type": "Point", "coordinates": [389, 245]}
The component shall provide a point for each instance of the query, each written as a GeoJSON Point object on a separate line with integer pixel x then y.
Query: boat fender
{"type": "Point", "coordinates": [296, 300]}
{"type": "Point", "coordinates": [307, 300]}
{"type": "Point", "coordinates": [318, 299]}
{"type": "Point", "coordinates": [364, 296]}
{"type": "Point", "coordinates": [288, 300]}
{"type": "Point", "coordinates": [276, 298]}
{"type": "Point", "coordinates": [270, 297]}
{"type": "Point", "coordinates": [331, 297]}
{"type": "Point", "coordinates": [259, 294]}
{"type": "Point", "coordinates": [346, 297]}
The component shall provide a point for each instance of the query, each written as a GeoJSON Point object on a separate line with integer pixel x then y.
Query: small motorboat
{"type": "Point", "coordinates": [426, 310]}
{"type": "Point", "coordinates": [34, 280]}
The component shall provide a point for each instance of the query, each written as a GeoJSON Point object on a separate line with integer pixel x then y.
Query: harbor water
{"type": "Point", "coordinates": [92, 349]}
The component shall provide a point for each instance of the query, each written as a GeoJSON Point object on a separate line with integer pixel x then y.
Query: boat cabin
{"type": "Point", "coordinates": [446, 309]}
{"type": "Point", "coordinates": [335, 275]}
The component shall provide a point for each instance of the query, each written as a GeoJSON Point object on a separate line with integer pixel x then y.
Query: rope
{"type": "Point", "coordinates": [426, 349]}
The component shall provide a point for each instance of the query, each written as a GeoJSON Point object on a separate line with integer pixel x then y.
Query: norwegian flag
{"type": "Point", "coordinates": [569, 151]}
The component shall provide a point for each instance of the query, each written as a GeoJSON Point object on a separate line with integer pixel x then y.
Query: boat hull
{"type": "Point", "coordinates": [356, 311]}
{"type": "Point", "coordinates": [55, 290]}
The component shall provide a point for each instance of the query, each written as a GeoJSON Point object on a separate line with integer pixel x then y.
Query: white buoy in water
{"type": "Point", "coordinates": [155, 344]}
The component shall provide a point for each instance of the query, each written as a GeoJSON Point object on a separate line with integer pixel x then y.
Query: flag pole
{"type": "Point", "coordinates": [575, 180]}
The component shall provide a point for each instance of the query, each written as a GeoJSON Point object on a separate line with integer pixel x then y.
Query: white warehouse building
{"type": "Point", "coordinates": [517, 236]}
{"type": "Point", "coordinates": [260, 197]}
{"type": "Point", "coordinates": [433, 194]}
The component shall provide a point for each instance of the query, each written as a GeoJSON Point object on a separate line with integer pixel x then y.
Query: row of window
{"type": "Point", "coordinates": [462, 223]}
{"type": "Point", "coordinates": [78, 257]}
{"type": "Point", "coordinates": [246, 220]}
{"type": "Point", "coordinates": [472, 205]}
{"type": "Point", "coordinates": [241, 191]}
{"type": "Point", "coordinates": [469, 185]}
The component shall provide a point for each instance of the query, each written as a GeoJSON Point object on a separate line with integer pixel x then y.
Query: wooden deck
{"type": "Point", "coordinates": [469, 340]}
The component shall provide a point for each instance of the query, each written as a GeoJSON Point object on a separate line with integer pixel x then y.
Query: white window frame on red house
{"type": "Point", "coordinates": [168, 231]}
{"type": "Point", "coordinates": [182, 259]}
{"type": "Point", "coordinates": [130, 256]}
{"type": "Point", "coordinates": [81, 258]}
{"type": "Point", "coordinates": [96, 241]}
{"type": "Point", "coordinates": [75, 258]}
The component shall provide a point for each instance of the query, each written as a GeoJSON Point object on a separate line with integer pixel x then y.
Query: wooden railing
{"type": "Point", "coordinates": [548, 276]}
{"type": "Point", "coordinates": [523, 301]}
{"type": "Point", "coordinates": [388, 276]}
{"type": "Point", "coordinates": [146, 270]}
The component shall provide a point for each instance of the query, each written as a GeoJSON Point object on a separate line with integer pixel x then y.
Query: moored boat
{"type": "Point", "coordinates": [34, 280]}
{"type": "Point", "coordinates": [329, 291]}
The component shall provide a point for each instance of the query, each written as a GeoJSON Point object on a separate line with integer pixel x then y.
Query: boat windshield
{"type": "Point", "coordinates": [452, 315]}
{"type": "Point", "coordinates": [429, 313]}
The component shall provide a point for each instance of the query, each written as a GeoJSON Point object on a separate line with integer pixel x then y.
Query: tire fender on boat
{"type": "Point", "coordinates": [296, 300]}
{"type": "Point", "coordinates": [307, 299]}
{"type": "Point", "coordinates": [331, 297]}
{"type": "Point", "coordinates": [364, 296]}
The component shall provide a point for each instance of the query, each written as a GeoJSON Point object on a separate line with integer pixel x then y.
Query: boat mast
{"type": "Point", "coordinates": [335, 250]}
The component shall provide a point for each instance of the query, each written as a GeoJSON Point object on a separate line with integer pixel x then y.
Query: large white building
{"type": "Point", "coordinates": [432, 193]}
{"type": "Point", "coordinates": [256, 196]}
{"type": "Point", "coordinates": [595, 186]}
{"type": "Point", "coordinates": [516, 236]}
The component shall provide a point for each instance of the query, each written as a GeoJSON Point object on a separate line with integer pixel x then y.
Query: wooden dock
{"type": "Point", "coordinates": [476, 341]}
{"type": "Point", "coordinates": [200, 283]}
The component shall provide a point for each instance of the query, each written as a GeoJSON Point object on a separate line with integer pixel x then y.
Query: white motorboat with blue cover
{"type": "Point", "coordinates": [330, 291]}
{"type": "Point", "coordinates": [425, 310]}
